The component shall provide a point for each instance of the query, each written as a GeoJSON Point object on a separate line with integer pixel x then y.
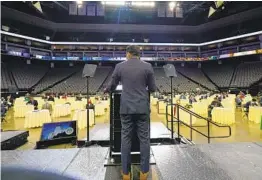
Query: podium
{"type": "Point", "coordinates": [115, 131]}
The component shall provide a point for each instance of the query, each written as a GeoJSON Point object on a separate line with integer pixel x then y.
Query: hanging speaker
{"type": "Point", "coordinates": [89, 70]}
{"type": "Point", "coordinates": [170, 70]}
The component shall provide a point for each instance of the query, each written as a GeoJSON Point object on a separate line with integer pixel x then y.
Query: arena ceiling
{"type": "Point", "coordinates": [194, 12]}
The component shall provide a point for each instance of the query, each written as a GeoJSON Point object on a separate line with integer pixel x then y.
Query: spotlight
{"type": "Point", "coordinates": [172, 5]}
{"type": "Point", "coordinates": [79, 2]}
{"type": "Point", "coordinates": [111, 39]}
{"type": "Point", "coordinates": [133, 40]}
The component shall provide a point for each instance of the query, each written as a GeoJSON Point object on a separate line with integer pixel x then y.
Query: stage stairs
{"type": "Point", "coordinates": [204, 130]}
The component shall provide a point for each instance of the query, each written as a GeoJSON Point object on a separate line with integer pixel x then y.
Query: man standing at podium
{"type": "Point", "coordinates": [137, 78]}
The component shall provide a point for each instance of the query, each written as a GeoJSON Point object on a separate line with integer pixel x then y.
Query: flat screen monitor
{"type": "Point", "coordinates": [58, 130]}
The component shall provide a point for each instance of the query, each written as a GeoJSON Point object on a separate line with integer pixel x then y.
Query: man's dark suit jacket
{"type": "Point", "coordinates": [137, 78]}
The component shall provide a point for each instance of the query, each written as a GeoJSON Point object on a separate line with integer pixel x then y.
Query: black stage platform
{"type": "Point", "coordinates": [234, 161]}
{"type": "Point", "coordinates": [11, 140]}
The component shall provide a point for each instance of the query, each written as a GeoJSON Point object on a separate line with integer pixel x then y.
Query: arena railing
{"type": "Point", "coordinates": [192, 128]}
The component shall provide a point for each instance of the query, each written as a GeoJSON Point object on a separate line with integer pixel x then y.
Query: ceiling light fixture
{"type": "Point", "coordinates": [79, 2]}
{"type": "Point", "coordinates": [143, 4]}
{"type": "Point", "coordinates": [114, 3]}
{"type": "Point", "coordinates": [172, 5]}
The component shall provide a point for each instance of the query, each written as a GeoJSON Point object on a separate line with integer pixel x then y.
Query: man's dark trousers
{"type": "Point", "coordinates": [140, 123]}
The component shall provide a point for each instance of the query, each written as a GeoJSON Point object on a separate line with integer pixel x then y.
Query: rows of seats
{"type": "Point", "coordinates": [27, 76]}
{"type": "Point", "coordinates": [196, 75]}
{"type": "Point", "coordinates": [246, 74]}
{"type": "Point", "coordinates": [180, 83]}
{"type": "Point", "coordinates": [5, 78]}
{"type": "Point", "coordinates": [53, 76]}
{"type": "Point", "coordinates": [77, 84]}
{"type": "Point", "coordinates": [221, 75]}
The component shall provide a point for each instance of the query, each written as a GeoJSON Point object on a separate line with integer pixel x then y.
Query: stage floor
{"type": "Point", "coordinates": [183, 162]}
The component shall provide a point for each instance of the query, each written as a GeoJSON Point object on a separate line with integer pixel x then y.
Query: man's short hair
{"type": "Point", "coordinates": [134, 50]}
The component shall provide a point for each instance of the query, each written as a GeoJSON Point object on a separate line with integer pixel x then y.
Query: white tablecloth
{"type": "Point", "coordinates": [21, 110]}
{"type": "Point", "coordinates": [36, 118]}
{"type": "Point", "coordinates": [162, 107]}
{"type": "Point", "coordinates": [78, 105]}
{"type": "Point", "coordinates": [100, 109]}
{"type": "Point", "coordinates": [154, 101]}
{"type": "Point", "coordinates": [224, 116]}
{"type": "Point", "coordinates": [81, 117]}
{"type": "Point", "coordinates": [255, 114]}
{"type": "Point", "coordinates": [61, 110]}
{"type": "Point", "coordinates": [19, 101]}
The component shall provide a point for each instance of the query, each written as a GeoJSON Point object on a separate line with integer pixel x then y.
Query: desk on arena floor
{"type": "Point", "coordinates": [81, 117]}
{"type": "Point", "coordinates": [61, 110]}
{"type": "Point", "coordinates": [224, 116]}
{"type": "Point", "coordinates": [255, 114]}
{"type": "Point", "coordinates": [37, 118]}
{"type": "Point", "coordinates": [21, 110]}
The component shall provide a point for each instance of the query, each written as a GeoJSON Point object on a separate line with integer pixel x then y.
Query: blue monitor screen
{"type": "Point", "coordinates": [58, 130]}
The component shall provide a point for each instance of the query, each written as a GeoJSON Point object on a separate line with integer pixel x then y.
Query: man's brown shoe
{"type": "Point", "coordinates": [143, 176]}
{"type": "Point", "coordinates": [126, 176]}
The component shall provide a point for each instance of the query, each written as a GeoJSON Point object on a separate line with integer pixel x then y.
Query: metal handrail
{"type": "Point", "coordinates": [191, 127]}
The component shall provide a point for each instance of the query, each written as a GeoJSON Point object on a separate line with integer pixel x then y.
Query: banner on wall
{"type": "Point", "coordinates": [225, 55]}
{"type": "Point", "coordinates": [244, 53]}
{"type": "Point", "coordinates": [259, 51]}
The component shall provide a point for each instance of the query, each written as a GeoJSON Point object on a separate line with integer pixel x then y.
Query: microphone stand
{"type": "Point", "coordinates": [88, 142]}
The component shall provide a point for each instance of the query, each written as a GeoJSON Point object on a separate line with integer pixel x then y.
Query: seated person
{"type": "Point", "coordinates": [238, 101]}
{"type": "Point", "coordinates": [214, 103]}
{"type": "Point", "coordinates": [33, 102]}
{"type": "Point", "coordinates": [51, 98]}
{"type": "Point", "coordinates": [182, 96]}
{"type": "Point", "coordinates": [79, 97]}
{"type": "Point", "coordinates": [47, 106]}
{"type": "Point", "coordinates": [250, 103]}
{"type": "Point", "coordinates": [64, 96]}
{"type": "Point", "coordinates": [90, 105]}
{"type": "Point", "coordinates": [10, 101]}
{"type": "Point", "coordinates": [192, 99]}
{"type": "Point", "coordinates": [43, 96]}
{"type": "Point", "coordinates": [3, 109]}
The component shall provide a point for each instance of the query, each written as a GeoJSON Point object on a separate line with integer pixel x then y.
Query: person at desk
{"type": "Point", "coordinates": [250, 103]}
{"type": "Point", "coordinates": [182, 96]}
{"type": "Point", "coordinates": [51, 98]}
{"type": "Point", "coordinates": [192, 99]}
{"type": "Point", "coordinates": [47, 106]}
{"type": "Point", "coordinates": [214, 103]}
{"type": "Point", "coordinates": [79, 97]}
{"type": "Point", "coordinates": [33, 102]}
{"type": "Point", "coordinates": [10, 100]}
{"type": "Point", "coordinates": [136, 76]}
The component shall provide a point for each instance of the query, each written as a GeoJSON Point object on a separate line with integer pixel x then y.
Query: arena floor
{"type": "Point", "coordinates": [242, 130]}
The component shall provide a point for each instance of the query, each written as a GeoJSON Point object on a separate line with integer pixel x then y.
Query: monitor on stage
{"type": "Point", "coordinates": [58, 130]}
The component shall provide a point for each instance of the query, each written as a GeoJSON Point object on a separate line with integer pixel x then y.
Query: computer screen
{"type": "Point", "coordinates": [58, 130]}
